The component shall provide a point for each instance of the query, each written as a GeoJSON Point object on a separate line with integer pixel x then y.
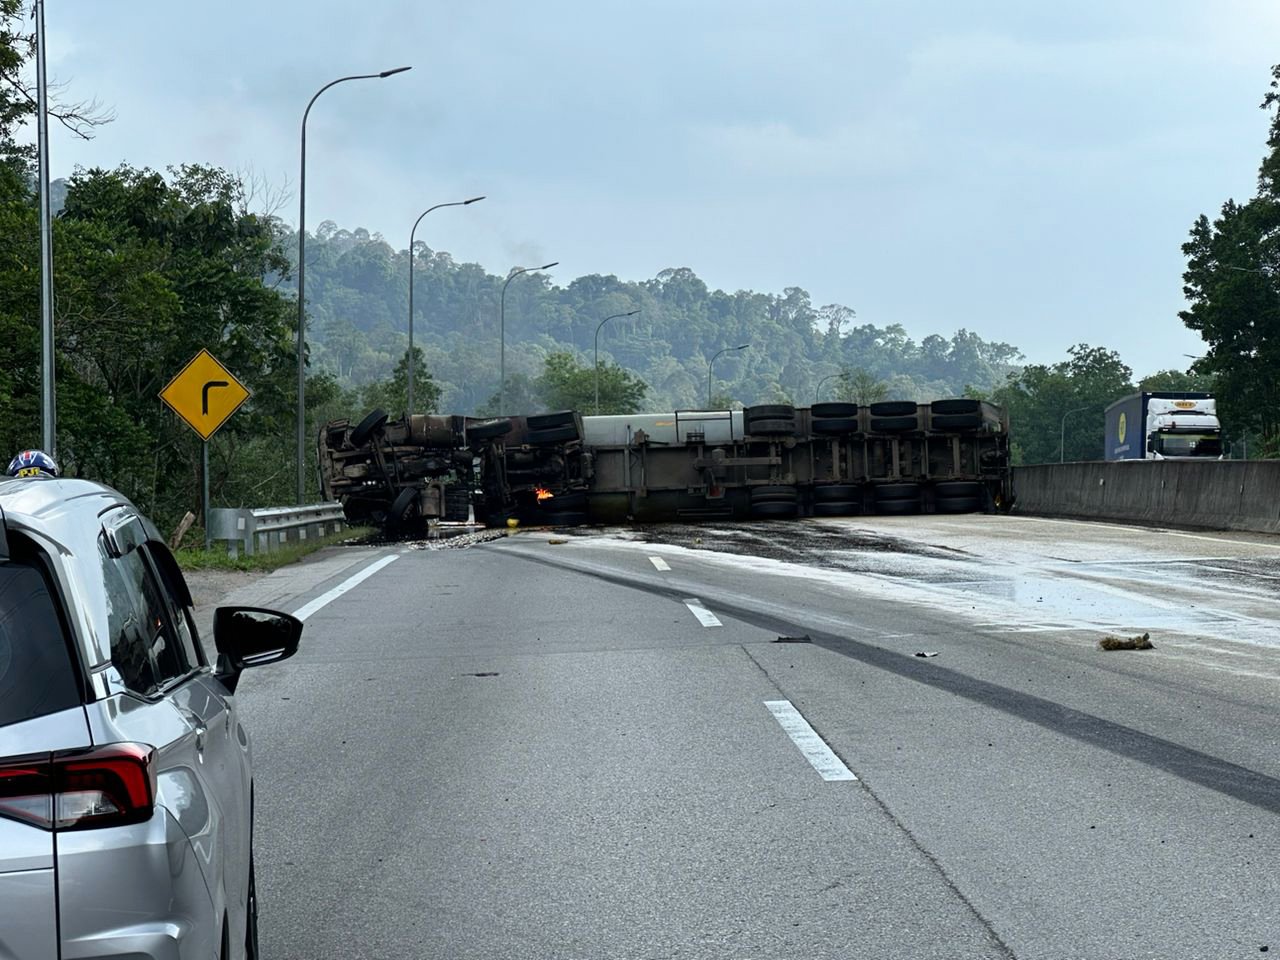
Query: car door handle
{"type": "Point", "coordinates": [198, 726]}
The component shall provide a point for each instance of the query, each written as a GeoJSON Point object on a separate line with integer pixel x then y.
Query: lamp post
{"type": "Point", "coordinates": [711, 363]}
{"type": "Point", "coordinates": [302, 274]}
{"type": "Point", "coordinates": [48, 414]}
{"type": "Point", "coordinates": [1062, 434]}
{"type": "Point", "coordinates": [616, 316]}
{"type": "Point", "coordinates": [411, 363]}
{"type": "Point", "coordinates": [502, 333]}
{"type": "Point", "coordinates": [817, 393]}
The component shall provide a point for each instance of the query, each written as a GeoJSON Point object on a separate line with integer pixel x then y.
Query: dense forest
{"type": "Point", "coordinates": [357, 296]}
{"type": "Point", "coordinates": [150, 267]}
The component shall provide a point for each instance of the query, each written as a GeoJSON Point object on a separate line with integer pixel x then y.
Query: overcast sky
{"type": "Point", "coordinates": [1024, 169]}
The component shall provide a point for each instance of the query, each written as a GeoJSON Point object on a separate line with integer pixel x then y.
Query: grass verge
{"type": "Point", "coordinates": [197, 558]}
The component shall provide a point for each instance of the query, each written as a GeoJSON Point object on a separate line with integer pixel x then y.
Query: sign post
{"type": "Point", "coordinates": [205, 394]}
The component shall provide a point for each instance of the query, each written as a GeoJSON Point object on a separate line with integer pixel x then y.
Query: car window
{"type": "Point", "coordinates": [37, 675]}
{"type": "Point", "coordinates": [176, 598]}
{"type": "Point", "coordinates": [144, 647]}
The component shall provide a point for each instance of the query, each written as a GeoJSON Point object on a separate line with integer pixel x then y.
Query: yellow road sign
{"type": "Point", "coordinates": [204, 394]}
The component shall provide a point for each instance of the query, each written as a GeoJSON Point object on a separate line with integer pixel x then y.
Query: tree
{"type": "Point", "coordinates": [861, 387]}
{"type": "Point", "coordinates": [1181, 381]}
{"type": "Point", "coordinates": [566, 384]}
{"type": "Point", "coordinates": [1062, 405]}
{"type": "Point", "coordinates": [392, 395]}
{"type": "Point", "coordinates": [1232, 283]}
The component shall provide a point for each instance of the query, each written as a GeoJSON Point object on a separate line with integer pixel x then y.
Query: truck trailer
{"type": "Point", "coordinates": [1163, 426]}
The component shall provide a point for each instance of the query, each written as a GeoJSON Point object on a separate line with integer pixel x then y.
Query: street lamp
{"type": "Point", "coordinates": [711, 363]}
{"type": "Point", "coordinates": [1062, 434]}
{"type": "Point", "coordinates": [411, 364]}
{"type": "Point", "coordinates": [831, 376]}
{"type": "Point", "coordinates": [616, 316]}
{"type": "Point", "coordinates": [302, 275]}
{"type": "Point", "coordinates": [502, 333]}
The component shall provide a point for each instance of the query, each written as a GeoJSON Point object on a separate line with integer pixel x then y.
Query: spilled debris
{"type": "Point", "coordinates": [1130, 643]}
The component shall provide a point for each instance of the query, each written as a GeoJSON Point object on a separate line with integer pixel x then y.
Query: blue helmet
{"type": "Point", "coordinates": [32, 463]}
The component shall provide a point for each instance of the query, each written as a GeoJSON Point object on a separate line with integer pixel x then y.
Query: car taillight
{"type": "Point", "coordinates": [104, 787]}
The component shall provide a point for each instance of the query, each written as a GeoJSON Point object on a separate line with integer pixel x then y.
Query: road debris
{"type": "Point", "coordinates": [801, 639]}
{"type": "Point", "coordinates": [1132, 643]}
{"type": "Point", "coordinates": [927, 653]}
{"type": "Point", "coordinates": [459, 542]}
{"type": "Point", "coordinates": [556, 541]}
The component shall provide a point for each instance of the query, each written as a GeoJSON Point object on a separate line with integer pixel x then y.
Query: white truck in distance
{"type": "Point", "coordinates": [1164, 426]}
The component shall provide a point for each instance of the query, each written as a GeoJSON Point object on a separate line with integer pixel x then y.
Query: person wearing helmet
{"type": "Point", "coordinates": [32, 463]}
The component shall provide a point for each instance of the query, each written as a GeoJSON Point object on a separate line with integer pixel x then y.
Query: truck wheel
{"type": "Point", "coordinates": [775, 493]}
{"type": "Point", "coordinates": [773, 508]}
{"type": "Point", "coordinates": [894, 408]}
{"type": "Point", "coordinates": [764, 428]}
{"type": "Point", "coordinates": [957, 505]}
{"type": "Point", "coordinates": [958, 405]}
{"type": "Point", "coordinates": [403, 507]}
{"type": "Point", "coordinates": [770, 411]}
{"type": "Point", "coordinates": [488, 429]}
{"type": "Point", "coordinates": [368, 427]}
{"type": "Point", "coordinates": [897, 491]}
{"type": "Point", "coordinates": [894, 507]}
{"type": "Point", "coordinates": [551, 435]}
{"type": "Point", "coordinates": [564, 518]}
{"type": "Point", "coordinates": [834, 425]}
{"type": "Point", "coordinates": [951, 489]}
{"type": "Point", "coordinates": [894, 424]}
{"type": "Point", "coordinates": [956, 421]}
{"type": "Point", "coordinates": [837, 493]}
{"type": "Point", "coordinates": [545, 421]}
{"type": "Point", "coordinates": [833, 409]}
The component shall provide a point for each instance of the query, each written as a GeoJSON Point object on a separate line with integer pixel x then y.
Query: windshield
{"type": "Point", "coordinates": [1188, 445]}
{"type": "Point", "coordinates": [36, 674]}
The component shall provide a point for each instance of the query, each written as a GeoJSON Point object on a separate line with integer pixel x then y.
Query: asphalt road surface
{"type": "Point", "coordinates": [595, 746]}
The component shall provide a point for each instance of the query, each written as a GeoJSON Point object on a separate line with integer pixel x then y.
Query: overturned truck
{"type": "Point", "coordinates": [766, 461]}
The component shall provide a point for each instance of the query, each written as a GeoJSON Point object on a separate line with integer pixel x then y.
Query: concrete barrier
{"type": "Point", "coordinates": [1209, 495]}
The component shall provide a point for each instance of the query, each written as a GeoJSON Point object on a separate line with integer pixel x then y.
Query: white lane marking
{"type": "Point", "coordinates": [814, 748]}
{"type": "Point", "coordinates": [307, 609]}
{"type": "Point", "coordinates": [705, 616]}
{"type": "Point", "coordinates": [659, 563]}
{"type": "Point", "coordinates": [1160, 530]}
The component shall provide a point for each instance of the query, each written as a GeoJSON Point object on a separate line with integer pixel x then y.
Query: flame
{"type": "Point", "coordinates": [543, 494]}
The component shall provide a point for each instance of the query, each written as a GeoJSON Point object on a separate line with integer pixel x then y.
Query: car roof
{"type": "Point", "coordinates": [55, 507]}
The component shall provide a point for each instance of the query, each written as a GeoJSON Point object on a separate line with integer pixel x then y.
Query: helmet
{"type": "Point", "coordinates": [32, 463]}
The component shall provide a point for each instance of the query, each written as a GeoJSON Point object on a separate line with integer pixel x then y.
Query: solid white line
{"type": "Point", "coordinates": [814, 748]}
{"type": "Point", "coordinates": [1160, 530]}
{"type": "Point", "coordinates": [705, 616]}
{"type": "Point", "coordinates": [307, 609]}
{"type": "Point", "coordinates": [659, 563]}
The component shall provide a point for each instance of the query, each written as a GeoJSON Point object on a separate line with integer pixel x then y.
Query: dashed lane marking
{"type": "Point", "coordinates": [326, 598]}
{"type": "Point", "coordinates": [814, 748]}
{"type": "Point", "coordinates": [705, 616]}
{"type": "Point", "coordinates": [659, 563]}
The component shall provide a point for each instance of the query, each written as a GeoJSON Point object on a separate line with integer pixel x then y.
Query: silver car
{"type": "Point", "coordinates": [126, 790]}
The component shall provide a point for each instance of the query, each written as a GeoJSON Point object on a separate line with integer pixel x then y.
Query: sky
{"type": "Point", "coordinates": [1024, 170]}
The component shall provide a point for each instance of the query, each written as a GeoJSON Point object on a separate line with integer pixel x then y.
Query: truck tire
{"type": "Point", "coordinates": [951, 489]}
{"type": "Point", "coordinates": [834, 426]}
{"type": "Point", "coordinates": [564, 518]}
{"type": "Point", "coordinates": [894, 424]}
{"type": "Point", "coordinates": [894, 408]}
{"type": "Point", "coordinates": [767, 428]}
{"type": "Point", "coordinates": [774, 493]}
{"type": "Point", "coordinates": [489, 429]}
{"type": "Point", "coordinates": [368, 427]}
{"type": "Point", "coordinates": [773, 509]}
{"type": "Point", "coordinates": [834, 409]}
{"type": "Point", "coordinates": [403, 507]}
{"type": "Point", "coordinates": [837, 493]}
{"type": "Point", "coordinates": [897, 507]}
{"type": "Point", "coordinates": [956, 421]}
{"type": "Point", "coordinates": [897, 491]}
{"type": "Point", "coordinates": [957, 505]}
{"type": "Point", "coordinates": [770, 411]}
{"type": "Point", "coordinates": [958, 405]}
{"type": "Point", "coordinates": [545, 421]}
{"type": "Point", "coordinates": [551, 435]}
{"type": "Point", "coordinates": [837, 508]}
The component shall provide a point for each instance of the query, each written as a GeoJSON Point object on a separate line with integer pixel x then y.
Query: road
{"type": "Point", "coordinates": [593, 745]}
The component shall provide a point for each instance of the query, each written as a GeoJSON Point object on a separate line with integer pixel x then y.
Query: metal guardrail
{"type": "Point", "coordinates": [268, 528]}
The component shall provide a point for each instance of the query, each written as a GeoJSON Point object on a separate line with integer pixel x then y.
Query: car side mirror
{"type": "Point", "coordinates": [252, 637]}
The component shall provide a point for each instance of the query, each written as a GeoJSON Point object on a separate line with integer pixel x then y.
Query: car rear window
{"type": "Point", "coordinates": [36, 673]}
